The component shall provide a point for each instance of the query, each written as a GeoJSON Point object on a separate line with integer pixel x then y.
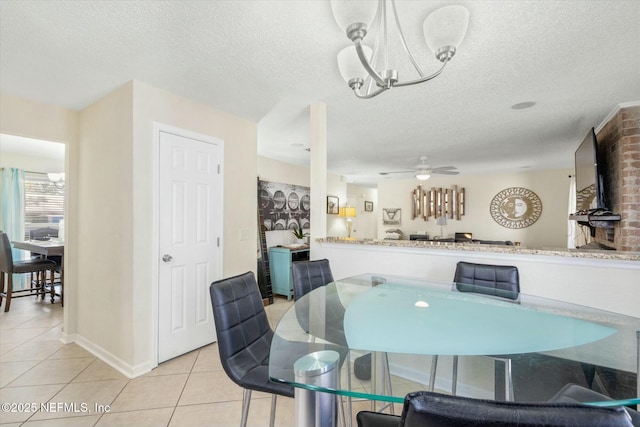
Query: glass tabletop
{"type": "Point", "coordinates": [407, 321]}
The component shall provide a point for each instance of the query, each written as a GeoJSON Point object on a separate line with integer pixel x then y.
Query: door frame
{"type": "Point", "coordinates": [218, 228]}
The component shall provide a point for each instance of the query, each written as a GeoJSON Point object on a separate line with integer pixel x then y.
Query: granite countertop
{"type": "Point", "coordinates": [501, 249]}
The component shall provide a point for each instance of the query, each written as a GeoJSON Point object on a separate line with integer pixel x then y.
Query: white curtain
{"type": "Point", "coordinates": [13, 214]}
{"type": "Point", "coordinates": [576, 235]}
{"type": "Point", "coordinates": [572, 225]}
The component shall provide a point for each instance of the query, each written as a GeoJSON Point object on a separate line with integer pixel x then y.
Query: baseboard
{"type": "Point", "coordinates": [115, 362]}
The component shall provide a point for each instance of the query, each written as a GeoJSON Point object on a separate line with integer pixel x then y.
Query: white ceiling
{"type": "Point", "coordinates": [267, 61]}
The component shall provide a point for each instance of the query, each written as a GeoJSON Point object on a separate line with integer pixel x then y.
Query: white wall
{"type": "Point", "coordinates": [31, 163]}
{"type": "Point", "coordinates": [240, 202]}
{"type": "Point", "coordinates": [549, 231]}
{"type": "Point", "coordinates": [32, 119]}
{"type": "Point", "coordinates": [365, 224]}
{"type": "Point", "coordinates": [105, 251]}
{"type": "Point", "coordinates": [337, 186]}
{"type": "Point", "coordinates": [109, 270]}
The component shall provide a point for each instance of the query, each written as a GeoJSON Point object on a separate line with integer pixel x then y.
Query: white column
{"type": "Point", "coordinates": [318, 171]}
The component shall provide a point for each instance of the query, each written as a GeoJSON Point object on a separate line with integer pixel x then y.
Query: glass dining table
{"type": "Point", "coordinates": [525, 350]}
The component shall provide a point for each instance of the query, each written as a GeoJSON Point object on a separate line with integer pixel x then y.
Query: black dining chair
{"type": "Point", "coordinates": [9, 267]}
{"type": "Point", "coordinates": [496, 281]}
{"type": "Point", "coordinates": [244, 338]}
{"type": "Point", "coordinates": [430, 409]}
{"type": "Point", "coordinates": [575, 393]}
{"type": "Point", "coordinates": [308, 276]}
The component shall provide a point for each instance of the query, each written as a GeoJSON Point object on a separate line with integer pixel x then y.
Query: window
{"type": "Point", "coordinates": [44, 204]}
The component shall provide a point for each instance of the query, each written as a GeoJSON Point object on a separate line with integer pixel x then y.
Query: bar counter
{"type": "Point", "coordinates": [607, 280]}
{"type": "Point", "coordinates": [489, 248]}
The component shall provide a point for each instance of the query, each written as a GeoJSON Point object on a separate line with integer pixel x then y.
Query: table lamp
{"type": "Point", "coordinates": [348, 212]}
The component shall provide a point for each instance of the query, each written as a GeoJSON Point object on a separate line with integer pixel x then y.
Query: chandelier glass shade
{"type": "Point", "coordinates": [56, 179]}
{"type": "Point", "coordinates": [366, 70]}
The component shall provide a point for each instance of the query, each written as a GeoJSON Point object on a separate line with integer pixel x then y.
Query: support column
{"type": "Point", "coordinates": [318, 171]}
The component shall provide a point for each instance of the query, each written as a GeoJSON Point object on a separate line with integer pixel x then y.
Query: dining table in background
{"type": "Point", "coordinates": [44, 247]}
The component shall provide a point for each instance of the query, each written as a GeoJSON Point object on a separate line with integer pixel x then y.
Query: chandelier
{"type": "Point", "coordinates": [57, 179]}
{"type": "Point", "coordinates": [444, 30]}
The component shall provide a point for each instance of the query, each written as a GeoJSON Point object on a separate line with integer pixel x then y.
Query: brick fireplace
{"type": "Point", "coordinates": [619, 150]}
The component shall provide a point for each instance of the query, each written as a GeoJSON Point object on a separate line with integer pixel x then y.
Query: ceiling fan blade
{"type": "Point", "coordinates": [387, 173]}
{"type": "Point", "coordinates": [440, 168]}
{"type": "Point", "coordinates": [445, 172]}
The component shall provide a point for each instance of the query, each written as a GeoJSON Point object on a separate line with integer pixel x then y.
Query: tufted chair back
{"type": "Point", "coordinates": [500, 281]}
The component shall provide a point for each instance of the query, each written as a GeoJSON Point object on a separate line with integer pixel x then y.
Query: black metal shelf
{"type": "Point", "coordinates": [594, 221]}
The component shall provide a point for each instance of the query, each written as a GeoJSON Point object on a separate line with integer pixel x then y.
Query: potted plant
{"type": "Point", "coordinates": [299, 234]}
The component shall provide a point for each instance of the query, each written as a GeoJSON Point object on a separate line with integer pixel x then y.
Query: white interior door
{"type": "Point", "coordinates": [190, 225]}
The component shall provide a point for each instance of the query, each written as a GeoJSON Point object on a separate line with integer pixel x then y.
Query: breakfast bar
{"type": "Point", "coordinates": [606, 280]}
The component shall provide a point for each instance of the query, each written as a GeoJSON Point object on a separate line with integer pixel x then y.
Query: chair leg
{"type": "Point", "coordinates": [40, 284]}
{"type": "Point", "coordinates": [1, 285]}
{"type": "Point", "coordinates": [53, 287]}
{"type": "Point", "coordinates": [7, 305]}
{"type": "Point", "coordinates": [341, 413]}
{"type": "Point", "coordinates": [386, 380]}
{"type": "Point", "coordinates": [61, 293]}
{"type": "Point", "coordinates": [434, 368]}
{"type": "Point", "coordinates": [349, 405]}
{"type": "Point", "coordinates": [343, 420]}
{"type": "Point", "coordinates": [246, 400]}
{"type": "Point", "coordinates": [454, 378]}
{"type": "Point", "coordinates": [272, 417]}
{"type": "Point", "coordinates": [392, 410]}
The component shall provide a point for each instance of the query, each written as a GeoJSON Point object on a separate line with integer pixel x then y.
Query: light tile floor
{"type": "Point", "coordinates": [190, 390]}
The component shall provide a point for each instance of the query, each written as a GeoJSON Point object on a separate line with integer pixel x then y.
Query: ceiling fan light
{"type": "Point", "coordinates": [347, 12]}
{"type": "Point", "coordinates": [446, 27]}
{"type": "Point", "coordinates": [349, 63]}
{"type": "Point", "coordinates": [423, 175]}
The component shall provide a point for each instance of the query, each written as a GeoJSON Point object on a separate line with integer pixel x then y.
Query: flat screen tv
{"type": "Point", "coordinates": [590, 191]}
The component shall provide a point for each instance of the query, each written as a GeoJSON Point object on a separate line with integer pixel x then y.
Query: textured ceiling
{"type": "Point", "coordinates": [268, 60]}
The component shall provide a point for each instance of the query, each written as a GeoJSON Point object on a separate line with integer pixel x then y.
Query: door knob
{"type": "Point", "coordinates": [166, 257]}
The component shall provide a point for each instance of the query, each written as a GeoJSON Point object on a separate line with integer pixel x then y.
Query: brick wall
{"type": "Point", "coordinates": [619, 150]}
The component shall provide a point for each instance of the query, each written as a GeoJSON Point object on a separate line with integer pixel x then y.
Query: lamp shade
{"type": "Point", "coordinates": [442, 220]}
{"type": "Point", "coordinates": [446, 26]}
{"type": "Point", "coordinates": [347, 12]}
{"type": "Point", "coordinates": [349, 64]}
{"type": "Point", "coordinates": [348, 212]}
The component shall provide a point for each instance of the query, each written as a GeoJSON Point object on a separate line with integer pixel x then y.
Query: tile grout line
{"type": "Point", "coordinates": [184, 387]}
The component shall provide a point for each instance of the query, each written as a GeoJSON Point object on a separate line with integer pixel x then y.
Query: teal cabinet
{"type": "Point", "coordinates": [280, 259]}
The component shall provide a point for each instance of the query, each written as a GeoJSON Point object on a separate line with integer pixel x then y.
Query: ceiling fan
{"type": "Point", "coordinates": [424, 171]}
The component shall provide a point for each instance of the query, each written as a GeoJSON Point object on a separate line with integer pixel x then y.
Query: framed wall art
{"type": "Point", "coordinates": [515, 207]}
{"type": "Point", "coordinates": [333, 205]}
{"type": "Point", "coordinates": [368, 206]}
{"type": "Point", "coordinates": [391, 216]}
{"type": "Point", "coordinates": [284, 206]}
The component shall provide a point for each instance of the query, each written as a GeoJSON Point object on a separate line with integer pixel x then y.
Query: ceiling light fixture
{"type": "Point", "coordinates": [57, 179]}
{"type": "Point", "coordinates": [423, 175]}
{"type": "Point", "coordinates": [444, 30]}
